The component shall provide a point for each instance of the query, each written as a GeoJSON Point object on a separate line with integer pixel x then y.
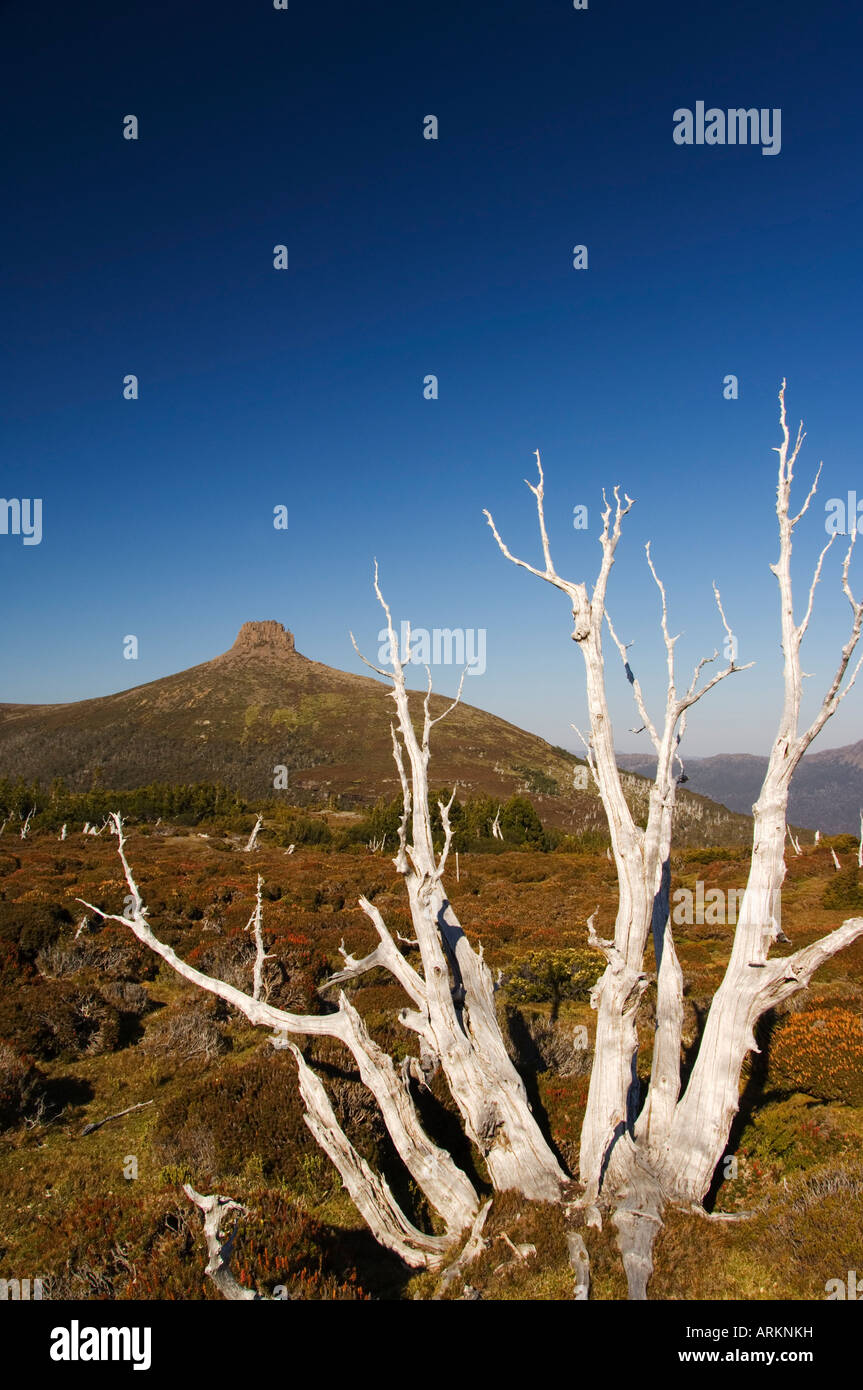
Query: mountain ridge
{"type": "Point", "coordinates": [826, 790]}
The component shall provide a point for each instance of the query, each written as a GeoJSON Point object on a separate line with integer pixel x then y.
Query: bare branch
{"type": "Point", "coordinates": [588, 750]}
{"type": "Point", "coordinates": [636, 686]}
{"type": "Point", "coordinates": [812, 491]}
{"type": "Point", "coordinates": [804, 622]}
{"type": "Point", "coordinates": [370, 1194]}
{"type": "Point", "coordinates": [549, 573]}
{"type": "Point", "coordinates": [452, 706]}
{"type": "Point", "coordinates": [473, 1247]}
{"type": "Point", "coordinates": [447, 830]}
{"type": "Point", "coordinates": [385, 955]}
{"type": "Point", "coordinates": [836, 694]}
{"type": "Point", "coordinates": [118, 1115]}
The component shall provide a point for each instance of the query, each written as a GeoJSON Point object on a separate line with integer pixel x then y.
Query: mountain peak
{"type": "Point", "coordinates": [264, 637]}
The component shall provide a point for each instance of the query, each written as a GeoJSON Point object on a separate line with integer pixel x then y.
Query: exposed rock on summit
{"type": "Point", "coordinates": [264, 636]}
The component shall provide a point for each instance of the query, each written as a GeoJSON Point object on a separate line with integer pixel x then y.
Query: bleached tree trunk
{"type": "Point", "coordinates": [219, 1249]}
{"type": "Point", "coordinates": [458, 1024]}
{"type": "Point", "coordinates": [641, 860]}
{"type": "Point", "coordinates": [255, 926]}
{"type": "Point", "coordinates": [753, 984]}
{"type": "Point", "coordinates": [253, 838]}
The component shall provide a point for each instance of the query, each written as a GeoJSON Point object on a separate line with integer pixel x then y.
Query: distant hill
{"type": "Point", "coordinates": [826, 792]}
{"type": "Point", "coordinates": [262, 704]}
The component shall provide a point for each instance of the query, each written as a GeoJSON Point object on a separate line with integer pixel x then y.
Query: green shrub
{"type": "Point", "coordinates": [538, 782]}
{"type": "Point", "coordinates": [151, 1247]}
{"type": "Point", "coordinates": [253, 1112]}
{"type": "Point", "coordinates": [253, 1109]}
{"type": "Point", "coordinates": [845, 890]}
{"type": "Point", "coordinates": [552, 976]}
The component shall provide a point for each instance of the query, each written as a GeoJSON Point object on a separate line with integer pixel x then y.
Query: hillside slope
{"type": "Point", "coordinates": [263, 704]}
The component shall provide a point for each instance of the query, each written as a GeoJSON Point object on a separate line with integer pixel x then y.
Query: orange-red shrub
{"type": "Point", "coordinates": [820, 1052]}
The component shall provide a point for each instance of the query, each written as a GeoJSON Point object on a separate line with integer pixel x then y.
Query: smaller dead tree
{"type": "Point", "coordinates": [255, 925]}
{"type": "Point", "coordinates": [253, 838]}
{"type": "Point", "coordinates": [451, 1016]}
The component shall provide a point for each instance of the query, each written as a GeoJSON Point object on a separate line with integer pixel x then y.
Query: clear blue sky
{"type": "Point", "coordinates": [410, 256]}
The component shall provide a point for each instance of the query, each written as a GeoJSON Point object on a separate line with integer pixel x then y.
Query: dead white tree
{"type": "Point", "coordinates": [837, 866]}
{"type": "Point", "coordinates": [219, 1247]}
{"type": "Point", "coordinates": [452, 1016]}
{"type": "Point", "coordinates": [638, 1155]}
{"type": "Point", "coordinates": [25, 828]}
{"type": "Point", "coordinates": [446, 1186]}
{"type": "Point", "coordinates": [255, 925]}
{"type": "Point", "coordinates": [860, 847]}
{"type": "Point", "coordinates": [253, 838]}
